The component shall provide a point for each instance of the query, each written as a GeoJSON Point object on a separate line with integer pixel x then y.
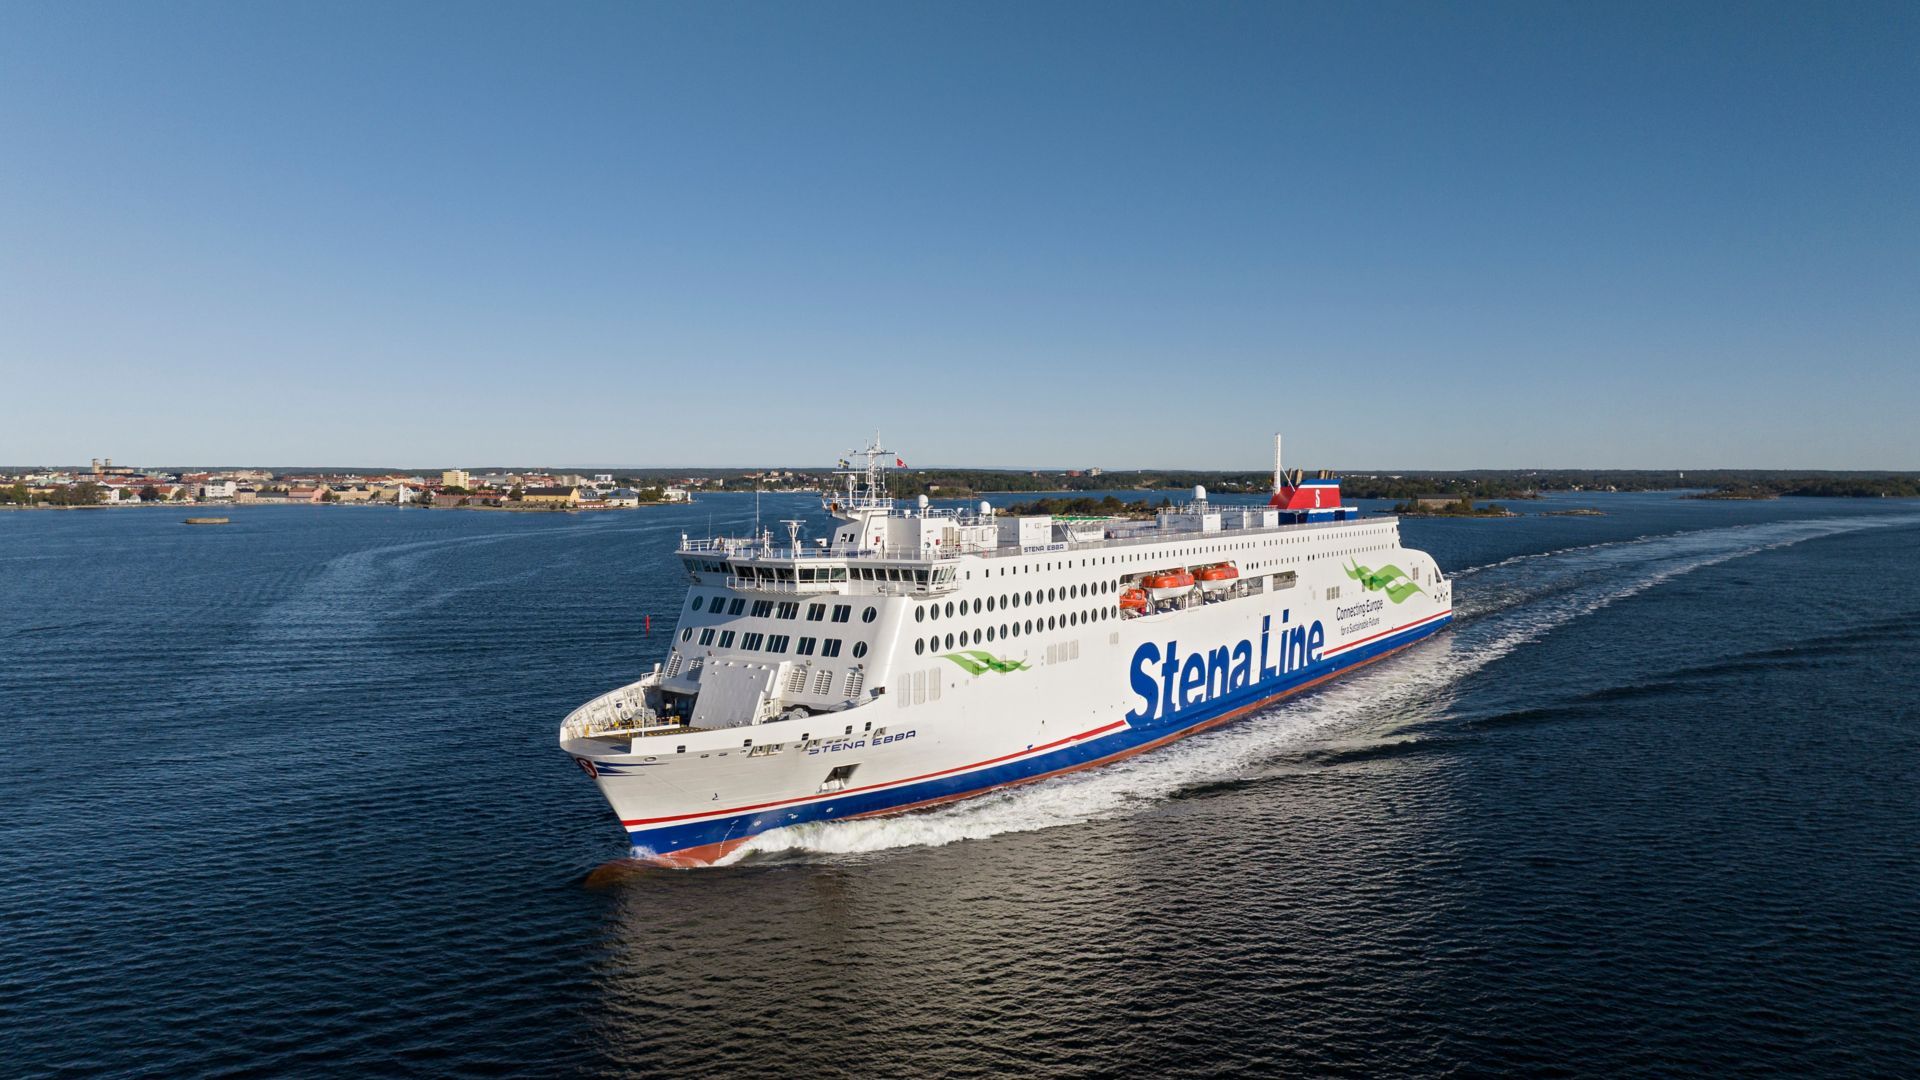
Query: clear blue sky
{"type": "Point", "coordinates": [1409, 235]}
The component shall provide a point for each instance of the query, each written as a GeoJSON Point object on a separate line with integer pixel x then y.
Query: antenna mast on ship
{"type": "Point", "coordinates": [866, 483]}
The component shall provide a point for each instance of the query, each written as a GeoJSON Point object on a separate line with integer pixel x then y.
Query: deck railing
{"type": "Point", "coordinates": [621, 711]}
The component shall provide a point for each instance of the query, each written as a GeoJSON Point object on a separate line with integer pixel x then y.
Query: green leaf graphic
{"type": "Point", "coordinates": [1389, 579]}
{"type": "Point", "coordinates": [974, 662]}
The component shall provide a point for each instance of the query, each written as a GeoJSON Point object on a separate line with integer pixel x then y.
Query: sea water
{"type": "Point", "coordinates": [282, 797]}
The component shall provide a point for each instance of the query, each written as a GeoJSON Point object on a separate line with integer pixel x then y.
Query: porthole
{"type": "Point", "coordinates": [859, 649]}
{"type": "Point", "coordinates": [949, 641]}
{"type": "Point", "coordinates": [920, 613]}
{"type": "Point", "coordinates": [989, 603]}
{"type": "Point", "coordinates": [686, 634]}
{"type": "Point", "coordinates": [989, 633]}
{"type": "Point", "coordinates": [933, 611]}
{"type": "Point", "coordinates": [1003, 630]}
{"type": "Point", "coordinates": [919, 646]}
{"type": "Point", "coordinates": [1052, 595]}
{"type": "Point", "coordinates": [869, 615]}
{"type": "Point", "coordinates": [697, 601]}
{"type": "Point", "coordinates": [1029, 626]}
{"type": "Point", "coordinates": [1029, 597]}
{"type": "Point", "coordinates": [1052, 623]}
{"type": "Point", "coordinates": [949, 609]}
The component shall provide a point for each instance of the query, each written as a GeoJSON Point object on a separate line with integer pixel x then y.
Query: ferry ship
{"type": "Point", "coordinates": [918, 655]}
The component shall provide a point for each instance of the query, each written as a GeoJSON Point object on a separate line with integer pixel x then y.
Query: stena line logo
{"type": "Point", "coordinates": [1169, 684]}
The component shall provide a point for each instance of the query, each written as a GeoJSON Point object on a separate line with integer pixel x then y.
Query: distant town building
{"type": "Point", "coordinates": [459, 478]}
{"type": "Point", "coordinates": [561, 495]}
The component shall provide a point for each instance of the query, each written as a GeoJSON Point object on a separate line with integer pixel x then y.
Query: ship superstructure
{"type": "Point", "coordinates": [918, 655]}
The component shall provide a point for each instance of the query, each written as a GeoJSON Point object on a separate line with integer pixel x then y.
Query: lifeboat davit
{"type": "Point", "coordinates": [1167, 584]}
{"type": "Point", "coordinates": [1217, 577]}
{"type": "Point", "coordinates": [1134, 600]}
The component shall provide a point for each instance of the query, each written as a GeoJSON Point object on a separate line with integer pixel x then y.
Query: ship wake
{"type": "Point", "coordinates": [1506, 606]}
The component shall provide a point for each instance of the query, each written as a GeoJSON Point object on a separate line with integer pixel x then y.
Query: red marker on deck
{"type": "Point", "coordinates": [649, 624]}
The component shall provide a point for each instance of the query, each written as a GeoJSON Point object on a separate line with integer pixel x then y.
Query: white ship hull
{"type": "Point", "coordinates": [1025, 668]}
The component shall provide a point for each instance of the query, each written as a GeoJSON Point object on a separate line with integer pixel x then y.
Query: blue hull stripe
{"type": "Point", "coordinates": [662, 840]}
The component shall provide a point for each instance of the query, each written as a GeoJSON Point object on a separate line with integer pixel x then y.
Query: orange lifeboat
{"type": "Point", "coordinates": [1218, 576]}
{"type": "Point", "coordinates": [1134, 600]}
{"type": "Point", "coordinates": [1167, 584]}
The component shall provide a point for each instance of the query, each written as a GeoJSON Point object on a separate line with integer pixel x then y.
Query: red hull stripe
{"type": "Point", "coordinates": [891, 783]}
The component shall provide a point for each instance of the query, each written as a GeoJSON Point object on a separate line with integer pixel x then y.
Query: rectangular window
{"type": "Point", "coordinates": [830, 647]}
{"type": "Point", "coordinates": [706, 636]}
{"type": "Point", "coordinates": [778, 643]}
{"type": "Point", "coordinates": [726, 639]}
{"type": "Point", "coordinates": [816, 612]}
{"type": "Point", "coordinates": [789, 610]}
{"type": "Point", "coordinates": [762, 608]}
{"type": "Point", "coordinates": [806, 646]}
{"type": "Point", "coordinates": [752, 641]}
{"type": "Point", "coordinates": [842, 612]}
{"type": "Point", "coordinates": [739, 604]}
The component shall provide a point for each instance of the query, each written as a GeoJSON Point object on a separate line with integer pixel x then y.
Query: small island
{"type": "Point", "coordinates": [1444, 507]}
{"type": "Point", "coordinates": [1584, 511]}
{"type": "Point", "coordinates": [1736, 493]}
